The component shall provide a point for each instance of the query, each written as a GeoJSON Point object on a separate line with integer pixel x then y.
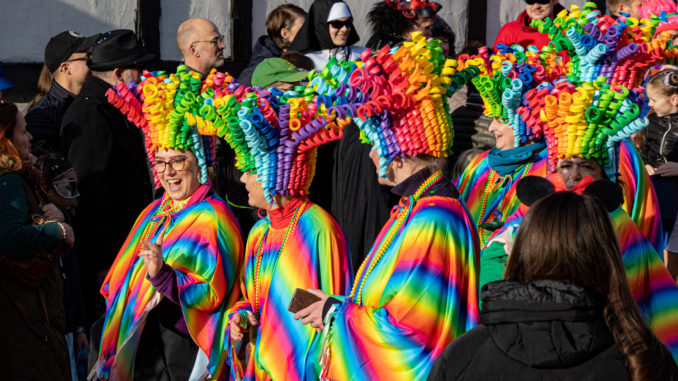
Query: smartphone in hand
{"type": "Point", "coordinates": [301, 299]}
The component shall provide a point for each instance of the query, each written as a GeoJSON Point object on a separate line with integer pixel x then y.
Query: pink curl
{"type": "Point", "coordinates": [655, 7]}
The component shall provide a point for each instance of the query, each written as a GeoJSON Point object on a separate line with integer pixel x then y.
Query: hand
{"type": "Point", "coordinates": [81, 342]}
{"type": "Point", "coordinates": [151, 253]}
{"type": "Point", "coordinates": [236, 330]}
{"type": "Point", "coordinates": [650, 170]}
{"type": "Point", "coordinates": [52, 213]}
{"type": "Point", "coordinates": [668, 169]}
{"type": "Point", "coordinates": [69, 239]}
{"type": "Point", "coordinates": [314, 313]}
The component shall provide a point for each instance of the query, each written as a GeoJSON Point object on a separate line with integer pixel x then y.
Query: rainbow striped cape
{"type": "Point", "coordinates": [202, 244]}
{"type": "Point", "coordinates": [640, 200]}
{"type": "Point", "coordinates": [315, 256]}
{"type": "Point", "coordinates": [499, 199]}
{"type": "Point", "coordinates": [652, 287]}
{"type": "Point", "coordinates": [420, 296]}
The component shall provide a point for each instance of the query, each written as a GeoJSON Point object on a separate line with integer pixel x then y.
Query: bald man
{"type": "Point", "coordinates": [201, 44]}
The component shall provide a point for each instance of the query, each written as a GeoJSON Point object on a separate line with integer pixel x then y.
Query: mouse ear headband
{"type": "Point", "coordinates": [531, 189]}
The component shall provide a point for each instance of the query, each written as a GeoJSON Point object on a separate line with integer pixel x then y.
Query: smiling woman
{"type": "Point", "coordinates": [328, 32]}
{"type": "Point", "coordinates": [177, 172]}
{"type": "Point", "coordinates": [175, 276]}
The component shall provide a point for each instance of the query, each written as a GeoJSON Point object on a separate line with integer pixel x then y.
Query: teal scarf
{"type": "Point", "coordinates": [506, 162]}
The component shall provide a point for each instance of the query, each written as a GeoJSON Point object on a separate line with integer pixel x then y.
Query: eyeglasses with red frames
{"type": "Point", "coordinates": [177, 164]}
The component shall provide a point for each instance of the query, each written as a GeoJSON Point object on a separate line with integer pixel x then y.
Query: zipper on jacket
{"type": "Point", "coordinates": [661, 145]}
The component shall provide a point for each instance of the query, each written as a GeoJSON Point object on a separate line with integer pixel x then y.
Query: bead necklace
{"type": "Point", "coordinates": [260, 251]}
{"type": "Point", "coordinates": [166, 209]}
{"type": "Point", "coordinates": [403, 215]}
{"type": "Point", "coordinates": [486, 194]}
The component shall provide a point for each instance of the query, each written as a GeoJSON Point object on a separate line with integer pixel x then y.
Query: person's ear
{"type": "Point", "coordinates": [622, 8]}
{"type": "Point", "coordinates": [674, 99]}
{"type": "Point", "coordinates": [193, 50]}
{"type": "Point", "coordinates": [285, 33]}
{"type": "Point", "coordinates": [64, 67]}
{"type": "Point", "coordinates": [117, 74]}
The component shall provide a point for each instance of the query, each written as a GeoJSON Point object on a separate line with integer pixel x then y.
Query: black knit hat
{"type": "Point", "coordinates": [61, 46]}
{"type": "Point", "coordinates": [118, 49]}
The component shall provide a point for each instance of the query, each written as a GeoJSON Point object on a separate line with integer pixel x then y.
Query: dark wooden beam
{"type": "Point", "coordinates": [241, 29]}
{"type": "Point", "coordinates": [147, 25]}
{"type": "Point", "coordinates": [601, 5]}
{"type": "Point", "coordinates": [476, 23]}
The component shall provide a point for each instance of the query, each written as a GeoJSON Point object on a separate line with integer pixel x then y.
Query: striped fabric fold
{"type": "Point", "coordinates": [653, 289]}
{"type": "Point", "coordinates": [419, 297]}
{"type": "Point", "coordinates": [640, 200]}
{"type": "Point", "coordinates": [500, 198]}
{"type": "Point", "coordinates": [202, 244]}
{"type": "Point", "coordinates": [314, 257]}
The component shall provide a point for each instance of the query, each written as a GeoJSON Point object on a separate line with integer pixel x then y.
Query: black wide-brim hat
{"type": "Point", "coordinates": [118, 49]}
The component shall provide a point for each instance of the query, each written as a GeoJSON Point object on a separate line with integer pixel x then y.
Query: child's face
{"type": "Point", "coordinates": [632, 8]}
{"type": "Point", "coordinates": [444, 44]}
{"type": "Point", "coordinates": [662, 104]}
{"type": "Point", "coordinates": [63, 191]}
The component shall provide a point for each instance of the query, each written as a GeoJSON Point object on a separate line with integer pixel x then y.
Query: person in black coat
{"type": "Point", "coordinates": [108, 154]}
{"type": "Point", "coordinates": [66, 56]}
{"type": "Point", "coordinates": [282, 25]}
{"type": "Point", "coordinates": [565, 310]}
{"type": "Point", "coordinates": [659, 148]}
{"type": "Point", "coordinates": [393, 22]}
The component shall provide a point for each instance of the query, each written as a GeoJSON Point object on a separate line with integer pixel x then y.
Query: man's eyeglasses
{"type": "Point", "coordinates": [338, 24]}
{"type": "Point", "coordinates": [542, 2]}
{"type": "Point", "coordinates": [177, 164]}
{"type": "Point", "coordinates": [216, 41]}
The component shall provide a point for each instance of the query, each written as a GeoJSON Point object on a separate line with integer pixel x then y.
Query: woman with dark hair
{"type": "Point", "coordinates": [32, 238]}
{"type": "Point", "coordinates": [282, 25]}
{"type": "Point", "coordinates": [328, 32]}
{"type": "Point", "coordinates": [394, 21]}
{"type": "Point", "coordinates": [565, 310]}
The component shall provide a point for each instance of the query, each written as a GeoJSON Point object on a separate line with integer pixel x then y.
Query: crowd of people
{"type": "Point", "coordinates": [388, 211]}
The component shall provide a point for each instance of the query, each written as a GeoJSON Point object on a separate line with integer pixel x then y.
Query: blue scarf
{"type": "Point", "coordinates": [506, 162]}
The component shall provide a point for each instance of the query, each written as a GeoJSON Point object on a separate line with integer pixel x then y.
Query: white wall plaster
{"type": "Point", "coordinates": [27, 25]}
{"type": "Point", "coordinates": [174, 12]}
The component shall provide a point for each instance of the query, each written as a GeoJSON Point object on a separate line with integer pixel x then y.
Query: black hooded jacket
{"type": "Point", "coordinates": [315, 34]}
{"type": "Point", "coordinates": [660, 140]}
{"type": "Point", "coordinates": [542, 330]}
{"type": "Point", "coordinates": [264, 48]}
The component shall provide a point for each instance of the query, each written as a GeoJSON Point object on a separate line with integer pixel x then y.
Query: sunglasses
{"type": "Point", "coordinates": [338, 24]}
{"type": "Point", "coordinates": [66, 188]}
{"type": "Point", "coordinates": [542, 2]}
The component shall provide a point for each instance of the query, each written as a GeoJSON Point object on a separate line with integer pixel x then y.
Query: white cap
{"type": "Point", "coordinates": [339, 11]}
